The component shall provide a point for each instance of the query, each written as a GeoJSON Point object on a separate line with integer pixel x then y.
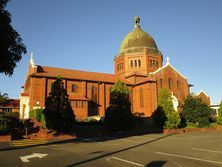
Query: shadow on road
{"type": "Point", "coordinates": [156, 164]}
{"type": "Point", "coordinates": [122, 150]}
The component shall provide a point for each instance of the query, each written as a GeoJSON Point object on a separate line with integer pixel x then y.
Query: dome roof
{"type": "Point", "coordinates": [137, 40]}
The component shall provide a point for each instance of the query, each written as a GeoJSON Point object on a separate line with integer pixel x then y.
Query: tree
{"type": "Point", "coordinates": [11, 46]}
{"type": "Point", "coordinates": [118, 115]}
{"type": "Point", "coordinates": [219, 118]}
{"type": "Point", "coordinates": [165, 116]}
{"type": "Point", "coordinates": [3, 98]}
{"type": "Point", "coordinates": [58, 112]}
{"type": "Point", "coordinates": [196, 111]}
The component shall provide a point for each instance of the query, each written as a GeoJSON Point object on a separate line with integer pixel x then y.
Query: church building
{"type": "Point", "coordinates": [139, 64]}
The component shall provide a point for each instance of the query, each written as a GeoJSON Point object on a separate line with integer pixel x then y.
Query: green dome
{"type": "Point", "coordinates": [137, 40]}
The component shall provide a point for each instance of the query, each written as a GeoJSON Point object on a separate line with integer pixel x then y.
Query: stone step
{"type": "Point", "coordinates": [27, 142]}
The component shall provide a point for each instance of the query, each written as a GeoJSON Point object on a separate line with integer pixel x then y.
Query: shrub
{"type": "Point", "coordinates": [165, 116]}
{"type": "Point", "coordinates": [195, 111]}
{"type": "Point", "coordinates": [173, 120]}
{"type": "Point", "coordinates": [219, 118]}
{"type": "Point", "coordinates": [39, 116]}
{"type": "Point", "coordinates": [42, 120]}
{"type": "Point", "coordinates": [8, 121]}
{"type": "Point", "coordinates": [4, 124]}
{"type": "Point", "coordinates": [159, 117]}
{"type": "Point", "coordinates": [118, 119]}
{"type": "Point", "coordinates": [118, 115]}
{"type": "Point", "coordinates": [36, 113]}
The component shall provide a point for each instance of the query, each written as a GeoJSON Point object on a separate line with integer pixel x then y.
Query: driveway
{"type": "Point", "coordinates": [189, 149]}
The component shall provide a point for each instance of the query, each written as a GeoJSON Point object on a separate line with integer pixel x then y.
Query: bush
{"type": "Point", "coordinates": [36, 113]}
{"type": "Point", "coordinates": [42, 120]}
{"type": "Point", "coordinates": [118, 119]}
{"type": "Point", "coordinates": [118, 115]}
{"type": "Point", "coordinates": [4, 124]}
{"type": "Point", "coordinates": [165, 116]}
{"type": "Point", "coordinates": [219, 118]}
{"type": "Point", "coordinates": [196, 112]}
{"type": "Point", "coordinates": [173, 120]}
{"type": "Point", "coordinates": [39, 116]}
{"type": "Point", "coordinates": [8, 121]}
{"type": "Point", "coordinates": [159, 117]}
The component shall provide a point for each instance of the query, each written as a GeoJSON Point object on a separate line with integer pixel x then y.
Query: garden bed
{"type": "Point", "coordinates": [5, 138]}
{"type": "Point", "coordinates": [186, 130]}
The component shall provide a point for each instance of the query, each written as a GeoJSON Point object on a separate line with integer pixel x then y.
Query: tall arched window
{"type": "Point", "coordinates": [135, 63]}
{"type": "Point", "coordinates": [131, 63]}
{"type": "Point", "coordinates": [139, 63]}
{"type": "Point", "coordinates": [74, 88]}
{"type": "Point", "coordinates": [178, 84]}
{"type": "Point", "coordinates": [151, 63]}
{"type": "Point", "coordinates": [161, 83]}
{"type": "Point", "coordinates": [156, 64]}
{"type": "Point", "coordinates": [94, 93]}
{"type": "Point", "coordinates": [141, 98]}
{"type": "Point", "coordinates": [170, 83]}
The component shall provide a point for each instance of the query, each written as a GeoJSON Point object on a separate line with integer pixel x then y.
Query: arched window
{"type": "Point", "coordinates": [170, 83]}
{"type": "Point", "coordinates": [161, 83]}
{"type": "Point", "coordinates": [131, 63]}
{"type": "Point", "coordinates": [156, 64]}
{"type": "Point", "coordinates": [74, 88]}
{"type": "Point", "coordinates": [139, 63]}
{"type": "Point", "coordinates": [135, 63]}
{"type": "Point", "coordinates": [151, 63]}
{"type": "Point", "coordinates": [94, 93]}
{"type": "Point", "coordinates": [178, 84]}
{"type": "Point", "coordinates": [141, 98]}
{"type": "Point", "coordinates": [83, 104]}
{"type": "Point", "coordinates": [121, 66]}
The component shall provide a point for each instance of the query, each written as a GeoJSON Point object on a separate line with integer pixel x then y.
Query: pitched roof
{"type": "Point", "coordinates": [137, 73]}
{"type": "Point", "coordinates": [145, 80]}
{"type": "Point", "coordinates": [11, 103]}
{"type": "Point", "coordinates": [167, 65]}
{"type": "Point", "coordinates": [203, 93]}
{"type": "Point", "coordinates": [45, 71]}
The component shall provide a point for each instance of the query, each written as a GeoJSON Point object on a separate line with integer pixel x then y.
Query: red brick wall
{"type": "Point", "coordinates": [145, 58]}
{"type": "Point", "coordinates": [205, 98]}
{"type": "Point", "coordinates": [149, 99]}
{"type": "Point", "coordinates": [180, 92]}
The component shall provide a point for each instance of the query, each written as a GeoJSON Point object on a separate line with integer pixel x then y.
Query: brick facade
{"type": "Point", "coordinates": [205, 98]}
{"type": "Point", "coordinates": [138, 64]}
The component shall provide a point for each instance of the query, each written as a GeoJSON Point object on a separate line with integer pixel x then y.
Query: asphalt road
{"type": "Point", "coordinates": [190, 149]}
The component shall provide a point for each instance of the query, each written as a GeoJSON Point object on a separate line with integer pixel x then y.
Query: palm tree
{"type": "Point", "coordinates": [3, 97]}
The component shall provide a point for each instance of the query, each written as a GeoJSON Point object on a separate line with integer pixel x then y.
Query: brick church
{"type": "Point", "coordinates": [139, 64]}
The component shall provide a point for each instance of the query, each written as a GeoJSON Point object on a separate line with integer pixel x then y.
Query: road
{"type": "Point", "coordinates": [189, 149]}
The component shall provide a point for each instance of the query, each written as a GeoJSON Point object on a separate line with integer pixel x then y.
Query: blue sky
{"type": "Point", "coordinates": [86, 35]}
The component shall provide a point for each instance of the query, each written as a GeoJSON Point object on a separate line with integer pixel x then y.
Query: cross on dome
{"type": "Point", "coordinates": [136, 22]}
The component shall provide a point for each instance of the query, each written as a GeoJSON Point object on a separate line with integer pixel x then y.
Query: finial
{"type": "Point", "coordinates": [136, 22]}
{"type": "Point", "coordinates": [32, 61]}
{"type": "Point", "coordinates": [167, 61]}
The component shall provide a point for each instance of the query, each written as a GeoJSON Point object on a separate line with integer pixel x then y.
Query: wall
{"type": "Point", "coordinates": [180, 91]}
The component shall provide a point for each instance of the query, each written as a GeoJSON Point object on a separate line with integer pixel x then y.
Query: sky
{"type": "Point", "coordinates": [86, 35]}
